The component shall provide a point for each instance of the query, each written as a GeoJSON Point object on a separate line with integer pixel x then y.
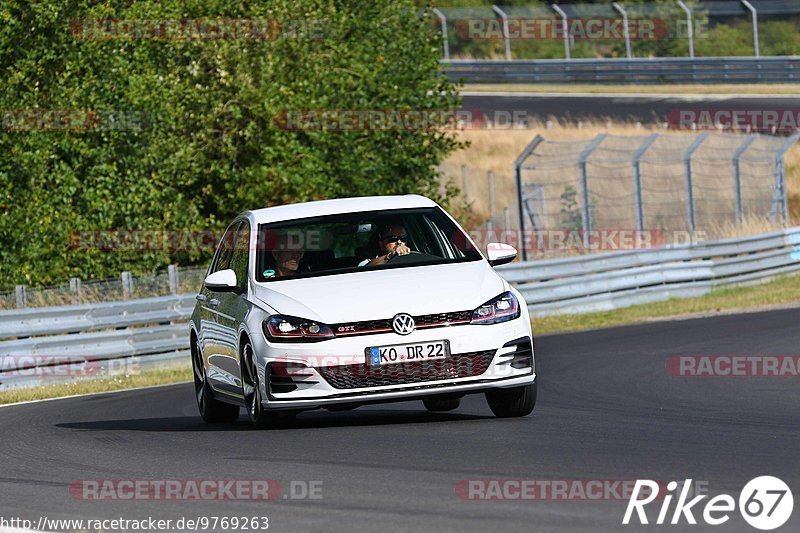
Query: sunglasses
{"type": "Point", "coordinates": [395, 238]}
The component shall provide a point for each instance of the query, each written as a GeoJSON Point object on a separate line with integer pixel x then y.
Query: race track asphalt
{"type": "Point", "coordinates": [608, 410]}
{"type": "Point", "coordinates": [647, 109]}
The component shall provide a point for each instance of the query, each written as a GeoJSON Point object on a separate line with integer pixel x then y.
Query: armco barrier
{"type": "Point", "coordinates": [618, 279]}
{"type": "Point", "coordinates": [775, 69]}
{"type": "Point", "coordinates": [154, 332]}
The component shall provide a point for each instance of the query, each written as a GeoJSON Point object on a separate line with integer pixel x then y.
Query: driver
{"type": "Point", "coordinates": [392, 241]}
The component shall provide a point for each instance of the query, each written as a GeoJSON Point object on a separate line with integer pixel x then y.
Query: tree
{"type": "Point", "coordinates": [211, 142]}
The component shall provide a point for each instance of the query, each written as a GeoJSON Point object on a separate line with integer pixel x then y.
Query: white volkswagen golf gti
{"type": "Point", "coordinates": [340, 303]}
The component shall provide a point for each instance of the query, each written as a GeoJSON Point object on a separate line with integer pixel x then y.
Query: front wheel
{"type": "Point", "coordinates": [518, 401]}
{"type": "Point", "coordinates": [212, 411]}
{"type": "Point", "coordinates": [251, 389]}
{"type": "Point", "coordinates": [441, 404]}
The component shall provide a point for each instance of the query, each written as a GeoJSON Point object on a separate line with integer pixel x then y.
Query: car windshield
{"type": "Point", "coordinates": [342, 243]}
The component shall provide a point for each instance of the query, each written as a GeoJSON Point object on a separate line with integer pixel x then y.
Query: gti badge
{"type": "Point", "coordinates": [403, 324]}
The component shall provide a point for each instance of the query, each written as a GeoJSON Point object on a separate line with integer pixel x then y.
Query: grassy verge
{"type": "Point", "coordinates": [145, 379]}
{"type": "Point", "coordinates": [782, 291]}
{"type": "Point", "coordinates": [789, 88]}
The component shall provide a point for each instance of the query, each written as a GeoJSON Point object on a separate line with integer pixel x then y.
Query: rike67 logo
{"type": "Point", "coordinates": [765, 503]}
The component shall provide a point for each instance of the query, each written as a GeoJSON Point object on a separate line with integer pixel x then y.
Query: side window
{"type": "Point", "coordinates": [222, 259]}
{"type": "Point", "coordinates": [241, 253]}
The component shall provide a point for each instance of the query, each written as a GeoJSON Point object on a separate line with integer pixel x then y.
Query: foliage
{"type": "Point", "coordinates": [210, 146]}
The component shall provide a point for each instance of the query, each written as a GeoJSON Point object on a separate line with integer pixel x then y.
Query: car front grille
{"type": "Point", "coordinates": [360, 376]}
{"type": "Point", "coordinates": [367, 327]}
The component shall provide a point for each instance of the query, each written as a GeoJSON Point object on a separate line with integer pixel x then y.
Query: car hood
{"type": "Point", "coordinates": [379, 294]}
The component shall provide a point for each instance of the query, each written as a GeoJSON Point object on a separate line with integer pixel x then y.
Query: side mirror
{"type": "Point", "coordinates": [500, 254]}
{"type": "Point", "coordinates": [222, 281]}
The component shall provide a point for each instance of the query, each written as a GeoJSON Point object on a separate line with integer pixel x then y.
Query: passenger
{"type": "Point", "coordinates": [392, 241]}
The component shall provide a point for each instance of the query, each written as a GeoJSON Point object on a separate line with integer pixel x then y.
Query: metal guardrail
{"type": "Point", "coordinates": [39, 344]}
{"type": "Point", "coordinates": [775, 69]}
{"type": "Point", "coordinates": [599, 282]}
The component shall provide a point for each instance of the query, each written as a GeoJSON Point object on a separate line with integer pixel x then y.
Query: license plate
{"type": "Point", "coordinates": [406, 353]}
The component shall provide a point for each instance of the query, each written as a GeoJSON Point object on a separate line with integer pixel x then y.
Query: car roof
{"type": "Point", "coordinates": [341, 205]}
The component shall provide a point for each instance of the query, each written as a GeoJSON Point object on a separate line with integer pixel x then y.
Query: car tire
{"type": "Point", "coordinates": [441, 404]}
{"type": "Point", "coordinates": [518, 401]}
{"type": "Point", "coordinates": [251, 390]}
{"type": "Point", "coordinates": [212, 411]}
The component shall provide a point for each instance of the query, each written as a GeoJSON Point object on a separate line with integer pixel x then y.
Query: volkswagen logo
{"type": "Point", "coordinates": [403, 324]}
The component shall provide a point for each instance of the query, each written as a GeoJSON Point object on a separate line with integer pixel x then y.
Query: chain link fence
{"type": "Point", "coordinates": [658, 183]}
{"type": "Point", "coordinates": [173, 280]}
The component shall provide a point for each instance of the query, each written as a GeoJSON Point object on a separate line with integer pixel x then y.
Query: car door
{"type": "Point", "coordinates": [231, 312]}
{"type": "Point", "coordinates": [216, 336]}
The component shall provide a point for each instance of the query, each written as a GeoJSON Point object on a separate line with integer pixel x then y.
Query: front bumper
{"type": "Point", "coordinates": [332, 373]}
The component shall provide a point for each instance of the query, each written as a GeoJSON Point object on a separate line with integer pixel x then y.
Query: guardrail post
{"type": "Point", "coordinates": [687, 161]}
{"type": "Point", "coordinates": [565, 23]}
{"type": "Point", "coordinates": [625, 31]}
{"type": "Point", "coordinates": [127, 285]}
{"type": "Point", "coordinates": [753, 11]}
{"type": "Point", "coordinates": [586, 213]}
{"type": "Point", "coordinates": [75, 290]}
{"type": "Point", "coordinates": [446, 44]}
{"type": "Point", "coordinates": [689, 27]}
{"type": "Point", "coordinates": [22, 296]}
{"type": "Point", "coordinates": [637, 179]}
{"type": "Point", "coordinates": [506, 32]}
{"type": "Point", "coordinates": [526, 153]}
{"type": "Point", "coordinates": [737, 182]}
{"type": "Point", "coordinates": [172, 273]}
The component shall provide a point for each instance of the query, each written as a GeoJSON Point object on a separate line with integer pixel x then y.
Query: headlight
{"type": "Point", "coordinates": [504, 307]}
{"type": "Point", "coordinates": [279, 328]}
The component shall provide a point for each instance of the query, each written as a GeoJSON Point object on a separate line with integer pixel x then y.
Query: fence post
{"type": "Point", "coordinates": [781, 196]}
{"type": "Point", "coordinates": [586, 213]}
{"type": "Point", "coordinates": [491, 195]}
{"type": "Point", "coordinates": [737, 182]}
{"type": "Point", "coordinates": [464, 175]}
{"type": "Point", "coordinates": [753, 11]}
{"type": "Point", "coordinates": [75, 290]}
{"type": "Point", "coordinates": [637, 179]}
{"type": "Point", "coordinates": [22, 296]}
{"type": "Point", "coordinates": [687, 161]}
{"type": "Point", "coordinates": [446, 44]}
{"type": "Point", "coordinates": [565, 24]}
{"type": "Point", "coordinates": [127, 286]}
{"type": "Point", "coordinates": [506, 32]}
{"type": "Point", "coordinates": [518, 178]}
{"type": "Point", "coordinates": [626, 34]}
{"type": "Point", "coordinates": [689, 27]}
{"type": "Point", "coordinates": [172, 272]}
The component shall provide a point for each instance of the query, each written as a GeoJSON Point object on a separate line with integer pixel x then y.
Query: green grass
{"type": "Point", "coordinates": [145, 379]}
{"type": "Point", "coordinates": [645, 89]}
{"type": "Point", "coordinates": [782, 291]}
